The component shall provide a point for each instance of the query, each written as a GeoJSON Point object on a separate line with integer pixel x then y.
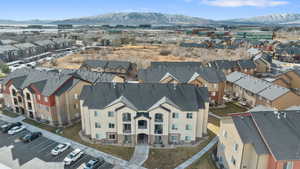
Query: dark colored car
{"type": "Point", "coordinates": [6, 127]}
{"type": "Point", "coordinates": [31, 136]}
{"type": "Point", "coordinates": [93, 164]}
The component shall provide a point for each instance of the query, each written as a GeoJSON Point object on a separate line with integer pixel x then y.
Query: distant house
{"type": "Point", "coordinates": [156, 114]}
{"type": "Point", "coordinates": [265, 139]}
{"type": "Point", "coordinates": [9, 53]}
{"type": "Point", "coordinates": [62, 43]}
{"type": "Point", "coordinates": [45, 45]}
{"type": "Point", "coordinates": [27, 49]}
{"type": "Point", "coordinates": [49, 96]}
{"type": "Point", "coordinates": [260, 92]}
{"type": "Point", "coordinates": [289, 79]}
{"type": "Point", "coordinates": [121, 68]}
{"type": "Point", "coordinates": [290, 54]}
{"type": "Point", "coordinates": [213, 79]}
{"type": "Point", "coordinates": [244, 65]}
{"type": "Point", "coordinates": [263, 62]}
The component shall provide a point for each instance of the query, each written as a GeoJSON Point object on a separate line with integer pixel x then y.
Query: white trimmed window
{"type": "Point", "coordinates": [188, 138]}
{"type": "Point", "coordinates": [235, 147]}
{"type": "Point", "coordinates": [189, 115]}
{"type": "Point", "coordinates": [111, 125]}
{"type": "Point", "coordinates": [175, 115]}
{"type": "Point", "coordinates": [96, 113]}
{"type": "Point", "coordinates": [111, 114]}
{"type": "Point", "coordinates": [174, 127]}
{"type": "Point", "coordinates": [97, 125]}
{"type": "Point", "coordinates": [188, 127]}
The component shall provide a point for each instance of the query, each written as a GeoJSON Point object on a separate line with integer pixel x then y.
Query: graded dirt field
{"type": "Point", "coordinates": [143, 55]}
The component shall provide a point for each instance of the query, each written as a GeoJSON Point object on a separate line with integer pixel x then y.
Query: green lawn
{"type": "Point", "coordinates": [72, 133]}
{"type": "Point", "coordinates": [171, 158]}
{"type": "Point", "coordinates": [8, 113]}
{"type": "Point", "coordinates": [230, 108]}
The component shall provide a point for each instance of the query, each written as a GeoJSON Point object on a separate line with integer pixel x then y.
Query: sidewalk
{"type": "Point", "coordinates": [140, 155]}
{"type": "Point", "coordinates": [90, 151]}
{"type": "Point", "coordinates": [199, 154]}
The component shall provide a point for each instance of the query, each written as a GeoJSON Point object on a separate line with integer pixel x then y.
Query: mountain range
{"type": "Point", "coordinates": [153, 18]}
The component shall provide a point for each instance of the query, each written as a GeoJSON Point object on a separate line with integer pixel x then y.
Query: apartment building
{"type": "Point", "coordinates": [48, 96]}
{"type": "Point", "coordinates": [265, 139]}
{"type": "Point", "coordinates": [129, 113]}
{"type": "Point", "coordinates": [289, 79]}
{"type": "Point", "coordinates": [246, 66]}
{"type": "Point", "coordinates": [186, 73]}
{"type": "Point", "coordinates": [260, 92]}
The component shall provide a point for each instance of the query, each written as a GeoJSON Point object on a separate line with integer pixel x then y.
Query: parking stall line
{"type": "Point", "coordinates": [78, 162]}
{"type": "Point", "coordinates": [48, 147]}
{"type": "Point", "coordinates": [37, 143]}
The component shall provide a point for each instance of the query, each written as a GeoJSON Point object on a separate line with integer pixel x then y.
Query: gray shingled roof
{"type": "Point", "coordinates": [249, 134]}
{"type": "Point", "coordinates": [24, 46]}
{"type": "Point", "coordinates": [48, 82]}
{"type": "Point", "coordinates": [183, 74]}
{"type": "Point", "coordinates": [107, 64]}
{"type": "Point", "coordinates": [176, 64]}
{"type": "Point", "coordinates": [282, 136]}
{"type": "Point", "coordinates": [144, 96]}
{"type": "Point", "coordinates": [235, 76]}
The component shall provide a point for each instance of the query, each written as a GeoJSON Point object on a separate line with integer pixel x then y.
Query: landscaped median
{"type": "Point", "coordinates": [72, 133]}
{"type": "Point", "coordinates": [171, 158]}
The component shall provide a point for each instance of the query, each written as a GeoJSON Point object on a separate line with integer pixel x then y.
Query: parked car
{"type": "Point", "coordinates": [16, 130]}
{"type": "Point", "coordinates": [30, 137]}
{"type": "Point", "coordinates": [60, 148]}
{"type": "Point", "coordinates": [94, 164]}
{"type": "Point", "coordinates": [6, 127]}
{"type": "Point", "coordinates": [73, 156]}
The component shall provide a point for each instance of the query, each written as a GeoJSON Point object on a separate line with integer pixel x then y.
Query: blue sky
{"type": "Point", "coordinates": [211, 9]}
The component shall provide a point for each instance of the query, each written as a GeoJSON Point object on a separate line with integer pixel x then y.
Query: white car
{"type": "Point", "coordinates": [60, 148]}
{"type": "Point", "coordinates": [16, 130]}
{"type": "Point", "coordinates": [73, 156]}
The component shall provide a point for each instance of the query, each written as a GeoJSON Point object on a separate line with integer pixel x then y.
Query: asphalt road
{"type": "Point", "coordinates": [36, 154]}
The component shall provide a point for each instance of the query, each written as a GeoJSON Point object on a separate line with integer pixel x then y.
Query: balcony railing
{"type": "Point", "coordinates": [126, 119]}
{"type": "Point", "coordinates": [158, 131]}
{"type": "Point", "coordinates": [126, 131]}
{"type": "Point", "coordinates": [142, 127]}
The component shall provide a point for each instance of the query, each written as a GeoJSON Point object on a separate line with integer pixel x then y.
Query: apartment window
{"type": "Point", "coordinates": [76, 96]}
{"type": "Point", "coordinates": [174, 127]}
{"type": "Point", "coordinates": [112, 136]}
{"type": "Point", "coordinates": [111, 125]}
{"type": "Point", "coordinates": [111, 114]}
{"type": "Point", "coordinates": [127, 139]}
{"type": "Point", "coordinates": [126, 117]}
{"type": "Point", "coordinates": [97, 125]}
{"type": "Point", "coordinates": [29, 106]}
{"type": "Point", "coordinates": [46, 99]}
{"type": "Point", "coordinates": [225, 133]}
{"type": "Point", "coordinates": [188, 127]}
{"type": "Point", "coordinates": [288, 165]}
{"type": "Point", "coordinates": [158, 117]}
{"type": "Point", "coordinates": [189, 115]}
{"type": "Point", "coordinates": [96, 113]}
{"type": "Point", "coordinates": [142, 124]}
{"type": "Point", "coordinates": [188, 138]}
{"type": "Point", "coordinates": [158, 129]}
{"type": "Point", "coordinates": [14, 92]}
{"type": "Point", "coordinates": [235, 147]}
{"type": "Point", "coordinates": [28, 96]}
{"type": "Point", "coordinates": [97, 136]}
{"type": "Point", "coordinates": [15, 101]}
{"type": "Point", "coordinates": [174, 138]}
{"type": "Point", "coordinates": [233, 161]}
{"type": "Point", "coordinates": [175, 115]}
{"type": "Point", "coordinates": [20, 99]}
{"type": "Point", "coordinates": [126, 128]}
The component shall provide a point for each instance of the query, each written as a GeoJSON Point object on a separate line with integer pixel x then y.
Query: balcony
{"type": "Point", "coordinates": [127, 131]}
{"type": "Point", "coordinates": [159, 120]}
{"type": "Point", "coordinates": [158, 131]}
{"type": "Point", "coordinates": [126, 119]}
{"type": "Point", "coordinates": [142, 124]}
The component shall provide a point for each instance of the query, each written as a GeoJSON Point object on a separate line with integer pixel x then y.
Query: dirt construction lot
{"type": "Point", "coordinates": [143, 55]}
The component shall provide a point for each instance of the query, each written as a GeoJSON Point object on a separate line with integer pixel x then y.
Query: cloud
{"type": "Point", "coordinates": [239, 3]}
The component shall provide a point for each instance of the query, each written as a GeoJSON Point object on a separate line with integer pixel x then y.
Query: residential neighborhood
{"type": "Point", "coordinates": [185, 84]}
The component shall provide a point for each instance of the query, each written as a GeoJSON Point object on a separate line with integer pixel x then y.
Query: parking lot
{"type": "Point", "coordinates": [36, 154]}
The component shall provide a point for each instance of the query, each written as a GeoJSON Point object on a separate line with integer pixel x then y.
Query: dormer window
{"type": "Point", "coordinates": [14, 92]}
